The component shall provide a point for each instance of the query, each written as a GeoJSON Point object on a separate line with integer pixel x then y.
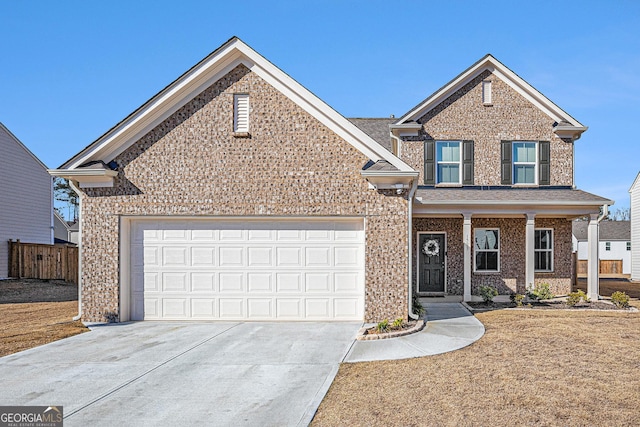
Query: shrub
{"type": "Point", "coordinates": [540, 292]}
{"type": "Point", "coordinates": [397, 324]}
{"type": "Point", "coordinates": [488, 293]}
{"type": "Point", "coordinates": [573, 298]}
{"type": "Point", "coordinates": [517, 299]}
{"type": "Point", "coordinates": [620, 299]}
{"type": "Point", "coordinates": [417, 306]}
{"type": "Point", "coordinates": [383, 326]}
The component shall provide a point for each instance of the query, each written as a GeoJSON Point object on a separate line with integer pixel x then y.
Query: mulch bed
{"type": "Point", "coordinates": [546, 305]}
{"type": "Point", "coordinates": [36, 290]}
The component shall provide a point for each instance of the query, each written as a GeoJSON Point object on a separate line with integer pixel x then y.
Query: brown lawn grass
{"type": "Point", "coordinates": [27, 325]}
{"type": "Point", "coordinates": [538, 368]}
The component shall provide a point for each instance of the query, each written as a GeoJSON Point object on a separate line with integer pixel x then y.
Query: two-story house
{"type": "Point", "coordinates": [235, 193]}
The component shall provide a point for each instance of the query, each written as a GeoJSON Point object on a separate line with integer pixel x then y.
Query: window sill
{"type": "Point", "coordinates": [526, 185]}
{"type": "Point", "coordinates": [486, 273]}
{"type": "Point", "coordinates": [241, 135]}
{"type": "Point", "coordinates": [544, 272]}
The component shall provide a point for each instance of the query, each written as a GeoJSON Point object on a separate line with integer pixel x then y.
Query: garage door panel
{"type": "Point", "coordinates": [260, 256]}
{"type": "Point", "coordinates": [231, 282]}
{"type": "Point", "coordinates": [259, 282]}
{"type": "Point", "coordinates": [203, 282]}
{"type": "Point", "coordinates": [256, 270]}
{"type": "Point", "coordinates": [203, 256]}
{"type": "Point", "coordinates": [232, 308]}
{"type": "Point", "coordinates": [203, 308]}
{"type": "Point", "coordinates": [289, 282]}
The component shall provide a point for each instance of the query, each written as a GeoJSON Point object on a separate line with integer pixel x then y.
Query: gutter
{"type": "Point", "coordinates": [77, 191]}
{"type": "Point", "coordinates": [412, 192]}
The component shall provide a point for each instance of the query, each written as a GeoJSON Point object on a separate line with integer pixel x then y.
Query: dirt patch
{"type": "Point", "coordinates": [609, 286]}
{"type": "Point", "coordinates": [545, 305]}
{"type": "Point", "coordinates": [36, 312]}
{"type": "Point", "coordinates": [536, 367]}
{"type": "Point", "coordinates": [35, 290]}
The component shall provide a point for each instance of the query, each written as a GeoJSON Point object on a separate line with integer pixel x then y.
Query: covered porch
{"type": "Point", "coordinates": [511, 239]}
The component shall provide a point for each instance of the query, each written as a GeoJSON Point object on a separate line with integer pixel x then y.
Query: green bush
{"type": "Point", "coordinates": [383, 326]}
{"type": "Point", "coordinates": [540, 292]}
{"type": "Point", "coordinates": [517, 299]}
{"type": "Point", "coordinates": [417, 306]}
{"type": "Point", "coordinates": [397, 324]}
{"type": "Point", "coordinates": [573, 298]}
{"type": "Point", "coordinates": [488, 293]}
{"type": "Point", "coordinates": [620, 299]}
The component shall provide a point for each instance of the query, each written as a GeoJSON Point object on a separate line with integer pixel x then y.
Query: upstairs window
{"type": "Point", "coordinates": [607, 246]}
{"type": "Point", "coordinates": [449, 159]}
{"type": "Point", "coordinates": [543, 248]}
{"type": "Point", "coordinates": [448, 162]}
{"type": "Point", "coordinates": [241, 113]}
{"type": "Point", "coordinates": [628, 246]}
{"type": "Point", "coordinates": [525, 161]}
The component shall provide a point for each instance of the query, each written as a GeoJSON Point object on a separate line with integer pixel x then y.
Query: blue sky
{"type": "Point", "coordinates": [73, 69]}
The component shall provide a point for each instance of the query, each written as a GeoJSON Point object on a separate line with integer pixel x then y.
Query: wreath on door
{"type": "Point", "coordinates": [431, 248]}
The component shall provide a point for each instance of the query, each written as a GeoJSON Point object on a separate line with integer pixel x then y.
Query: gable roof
{"type": "Point", "coordinates": [607, 230]}
{"type": "Point", "coordinates": [490, 63]}
{"type": "Point", "coordinates": [21, 145]}
{"type": "Point", "coordinates": [202, 75]}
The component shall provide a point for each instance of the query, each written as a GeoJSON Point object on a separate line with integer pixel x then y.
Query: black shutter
{"type": "Point", "coordinates": [544, 163]}
{"type": "Point", "coordinates": [505, 163]}
{"type": "Point", "coordinates": [430, 162]}
{"type": "Point", "coordinates": [467, 162]}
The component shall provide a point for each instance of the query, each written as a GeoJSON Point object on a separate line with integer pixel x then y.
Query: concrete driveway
{"type": "Point", "coordinates": [158, 373]}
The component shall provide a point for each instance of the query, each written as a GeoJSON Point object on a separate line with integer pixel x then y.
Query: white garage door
{"type": "Point", "coordinates": [255, 270]}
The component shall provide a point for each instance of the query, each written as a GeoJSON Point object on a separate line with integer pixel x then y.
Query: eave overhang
{"type": "Point", "coordinates": [569, 132]}
{"type": "Point", "coordinates": [406, 129]}
{"type": "Point", "coordinates": [86, 178]}
{"type": "Point", "coordinates": [390, 180]}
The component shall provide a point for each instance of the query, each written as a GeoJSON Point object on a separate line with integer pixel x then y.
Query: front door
{"type": "Point", "coordinates": [431, 256]}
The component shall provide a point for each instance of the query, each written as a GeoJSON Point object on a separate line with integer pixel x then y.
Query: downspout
{"type": "Point", "coordinates": [77, 191]}
{"type": "Point", "coordinates": [412, 192]}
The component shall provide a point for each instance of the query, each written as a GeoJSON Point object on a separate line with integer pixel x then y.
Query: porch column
{"type": "Point", "coordinates": [530, 265]}
{"type": "Point", "coordinates": [466, 239]}
{"type": "Point", "coordinates": [593, 267]}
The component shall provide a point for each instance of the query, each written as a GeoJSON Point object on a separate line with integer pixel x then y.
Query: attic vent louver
{"type": "Point", "coordinates": [241, 113]}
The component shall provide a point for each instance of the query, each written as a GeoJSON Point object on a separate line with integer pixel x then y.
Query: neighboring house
{"type": "Point", "coordinates": [235, 193]}
{"type": "Point", "coordinates": [615, 245]}
{"type": "Point", "coordinates": [26, 197]}
{"type": "Point", "coordinates": [634, 191]}
{"type": "Point", "coordinates": [64, 231]}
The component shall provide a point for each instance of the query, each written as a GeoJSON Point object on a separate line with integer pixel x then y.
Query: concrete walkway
{"type": "Point", "coordinates": [450, 326]}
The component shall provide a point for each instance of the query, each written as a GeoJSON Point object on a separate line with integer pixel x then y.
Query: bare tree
{"type": "Point", "coordinates": [620, 214]}
{"type": "Point", "coordinates": [64, 193]}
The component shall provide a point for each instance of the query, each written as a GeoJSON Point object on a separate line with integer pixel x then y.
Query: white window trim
{"type": "Point", "coordinates": [475, 251]}
{"type": "Point", "coordinates": [514, 163]}
{"type": "Point", "coordinates": [240, 123]}
{"type": "Point", "coordinates": [552, 249]}
{"type": "Point", "coordinates": [459, 163]}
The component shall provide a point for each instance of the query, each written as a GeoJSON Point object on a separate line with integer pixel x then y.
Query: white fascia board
{"type": "Point", "coordinates": [513, 210]}
{"type": "Point", "coordinates": [208, 72]}
{"type": "Point", "coordinates": [505, 74]}
{"type": "Point", "coordinates": [87, 178]}
{"type": "Point", "coordinates": [636, 182]}
{"type": "Point", "coordinates": [568, 203]}
{"type": "Point", "coordinates": [389, 179]}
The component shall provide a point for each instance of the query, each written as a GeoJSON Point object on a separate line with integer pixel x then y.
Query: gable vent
{"type": "Point", "coordinates": [486, 92]}
{"type": "Point", "coordinates": [241, 113]}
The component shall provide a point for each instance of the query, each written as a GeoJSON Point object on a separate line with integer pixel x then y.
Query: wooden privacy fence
{"type": "Point", "coordinates": [37, 261]}
{"type": "Point", "coordinates": [608, 268]}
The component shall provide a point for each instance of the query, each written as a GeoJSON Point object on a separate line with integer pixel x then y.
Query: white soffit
{"type": "Point", "coordinates": [503, 73]}
{"type": "Point", "coordinates": [203, 75]}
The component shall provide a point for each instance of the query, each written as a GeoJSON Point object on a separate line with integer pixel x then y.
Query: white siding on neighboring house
{"type": "Point", "coordinates": [635, 228]}
{"type": "Point", "coordinates": [618, 252]}
{"type": "Point", "coordinates": [26, 197]}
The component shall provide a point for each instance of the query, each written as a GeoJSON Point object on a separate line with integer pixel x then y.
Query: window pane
{"type": "Point", "coordinates": [524, 174]}
{"type": "Point", "coordinates": [524, 152]}
{"type": "Point", "coordinates": [448, 151]}
{"type": "Point", "coordinates": [543, 260]}
{"type": "Point", "coordinates": [543, 239]}
{"type": "Point", "coordinates": [486, 239]}
{"type": "Point", "coordinates": [492, 261]}
{"type": "Point", "coordinates": [449, 173]}
{"type": "Point", "coordinates": [481, 239]}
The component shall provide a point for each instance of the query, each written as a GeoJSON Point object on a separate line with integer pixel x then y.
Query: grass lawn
{"type": "Point", "coordinates": [530, 368]}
